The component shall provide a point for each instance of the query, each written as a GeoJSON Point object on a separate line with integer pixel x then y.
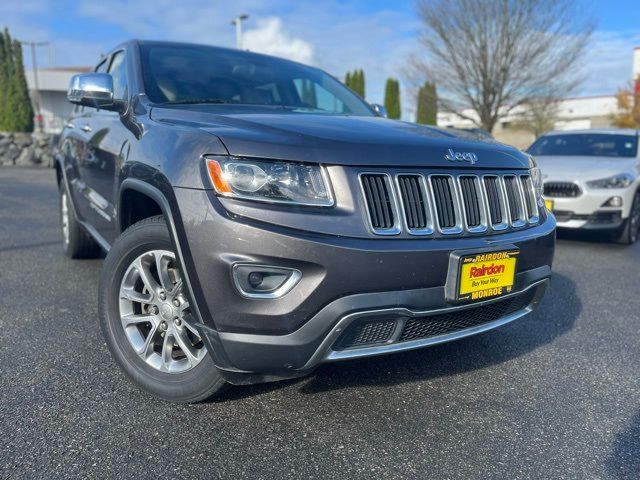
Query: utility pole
{"type": "Point", "coordinates": [238, 23]}
{"type": "Point", "coordinates": [34, 66]}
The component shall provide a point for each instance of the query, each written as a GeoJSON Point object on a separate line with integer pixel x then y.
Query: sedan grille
{"type": "Point", "coordinates": [561, 189]}
{"type": "Point", "coordinates": [448, 204]}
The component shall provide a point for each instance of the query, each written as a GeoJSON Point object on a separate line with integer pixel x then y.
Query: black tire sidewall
{"type": "Point", "coordinates": [625, 235]}
{"type": "Point", "coordinates": [67, 248]}
{"type": "Point", "coordinates": [81, 244]}
{"type": "Point", "coordinates": [194, 385]}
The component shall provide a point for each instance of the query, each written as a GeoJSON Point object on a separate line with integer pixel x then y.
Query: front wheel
{"type": "Point", "coordinates": [145, 315]}
{"type": "Point", "coordinates": [631, 228]}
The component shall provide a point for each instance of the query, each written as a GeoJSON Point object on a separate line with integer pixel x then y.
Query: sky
{"type": "Point", "coordinates": [375, 35]}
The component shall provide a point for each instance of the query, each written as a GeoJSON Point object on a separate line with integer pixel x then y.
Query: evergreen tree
{"type": "Point", "coordinates": [355, 81]}
{"type": "Point", "coordinates": [4, 81]}
{"type": "Point", "coordinates": [392, 98]}
{"type": "Point", "coordinates": [348, 81]}
{"type": "Point", "coordinates": [16, 113]}
{"type": "Point", "coordinates": [427, 111]}
{"type": "Point", "coordinates": [23, 113]}
{"type": "Point", "coordinates": [361, 90]}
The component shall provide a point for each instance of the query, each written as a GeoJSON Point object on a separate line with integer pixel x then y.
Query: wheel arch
{"type": "Point", "coordinates": [174, 223]}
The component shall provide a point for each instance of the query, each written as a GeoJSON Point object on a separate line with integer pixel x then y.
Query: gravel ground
{"type": "Point", "coordinates": [555, 395]}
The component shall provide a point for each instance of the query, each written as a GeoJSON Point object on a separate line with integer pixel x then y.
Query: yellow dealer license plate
{"type": "Point", "coordinates": [486, 275]}
{"type": "Point", "coordinates": [549, 204]}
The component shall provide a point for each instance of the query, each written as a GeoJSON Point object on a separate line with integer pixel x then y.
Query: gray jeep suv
{"type": "Point", "coordinates": [261, 219]}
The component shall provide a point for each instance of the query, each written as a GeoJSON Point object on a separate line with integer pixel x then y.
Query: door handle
{"type": "Point", "coordinates": [69, 125]}
{"type": "Point", "coordinates": [86, 128]}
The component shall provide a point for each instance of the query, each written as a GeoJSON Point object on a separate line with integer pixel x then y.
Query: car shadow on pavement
{"type": "Point", "coordinates": [556, 315]}
{"type": "Point", "coordinates": [624, 461]}
{"type": "Point", "coordinates": [586, 236]}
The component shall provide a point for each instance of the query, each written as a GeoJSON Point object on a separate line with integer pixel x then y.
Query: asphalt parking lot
{"type": "Point", "coordinates": [556, 395]}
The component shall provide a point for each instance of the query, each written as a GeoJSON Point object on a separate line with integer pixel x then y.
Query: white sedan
{"type": "Point", "coordinates": [592, 179]}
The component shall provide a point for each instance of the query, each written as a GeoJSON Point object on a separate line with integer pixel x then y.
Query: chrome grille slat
{"type": "Point", "coordinates": [493, 199]}
{"type": "Point", "coordinates": [444, 199]}
{"type": "Point", "coordinates": [413, 201]}
{"type": "Point", "coordinates": [529, 198]}
{"type": "Point", "coordinates": [381, 206]}
{"type": "Point", "coordinates": [448, 204]}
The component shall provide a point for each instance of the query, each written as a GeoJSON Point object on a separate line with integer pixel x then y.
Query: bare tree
{"type": "Point", "coordinates": [491, 56]}
{"type": "Point", "coordinates": [538, 116]}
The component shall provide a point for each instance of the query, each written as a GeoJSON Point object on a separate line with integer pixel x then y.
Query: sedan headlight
{"type": "Point", "coordinates": [270, 181]}
{"type": "Point", "coordinates": [617, 181]}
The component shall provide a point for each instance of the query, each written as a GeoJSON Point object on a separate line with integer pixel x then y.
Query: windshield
{"type": "Point", "coordinates": [185, 74]}
{"type": "Point", "coordinates": [586, 145]}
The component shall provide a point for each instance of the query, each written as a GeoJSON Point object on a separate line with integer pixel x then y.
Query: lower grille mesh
{"type": "Point", "coordinates": [367, 333]}
{"type": "Point", "coordinates": [417, 328]}
{"type": "Point", "coordinates": [379, 330]}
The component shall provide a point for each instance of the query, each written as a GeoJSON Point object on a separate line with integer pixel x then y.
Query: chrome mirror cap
{"type": "Point", "coordinates": [92, 90]}
{"type": "Point", "coordinates": [379, 110]}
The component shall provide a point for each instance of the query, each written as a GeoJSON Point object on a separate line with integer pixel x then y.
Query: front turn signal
{"type": "Point", "coordinates": [217, 177]}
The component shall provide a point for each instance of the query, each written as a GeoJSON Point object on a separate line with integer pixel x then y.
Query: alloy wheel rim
{"type": "Point", "coordinates": [64, 210]}
{"type": "Point", "coordinates": [156, 315]}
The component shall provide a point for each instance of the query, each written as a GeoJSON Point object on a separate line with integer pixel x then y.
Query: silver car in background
{"type": "Point", "coordinates": [592, 179]}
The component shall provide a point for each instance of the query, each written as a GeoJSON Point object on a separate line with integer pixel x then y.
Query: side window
{"type": "Point", "coordinates": [118, 71]}
{"type": "Point", "coordinates": [313, 95]}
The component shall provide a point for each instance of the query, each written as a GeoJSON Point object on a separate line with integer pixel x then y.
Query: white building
{"type": "Point", "coordinates": [573, 113]}
{"type": "Point", "coordinates": [52, 95]}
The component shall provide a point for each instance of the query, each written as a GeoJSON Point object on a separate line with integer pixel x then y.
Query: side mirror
{"type": "Point", "coordinates": [379, 110]}
{"type": "Point", "coordinates": [93, 90]}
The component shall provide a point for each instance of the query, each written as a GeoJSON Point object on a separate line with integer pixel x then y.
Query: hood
{"type": "Point", "coordinates": [336, 139]}
{"type": "Point", "coordinates": [577, 168]}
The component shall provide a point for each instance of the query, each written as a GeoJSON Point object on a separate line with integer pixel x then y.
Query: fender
{"type": "Point", "coordinates": [174, 222]}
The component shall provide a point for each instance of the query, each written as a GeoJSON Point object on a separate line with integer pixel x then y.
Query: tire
{"type": "Point", "coordinates": [135, 301]}
{"type": "Point", "coordinates": [631, 229]}
{"type": "Point", "coordinates": [76, 242]}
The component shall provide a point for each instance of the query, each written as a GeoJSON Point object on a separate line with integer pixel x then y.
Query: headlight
{"type": "Point", "coordinates": [617, 181]}
{"type": "Point", "coordinates": [266, 181]}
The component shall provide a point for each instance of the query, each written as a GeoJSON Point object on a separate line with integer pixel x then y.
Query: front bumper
{"type": "Point", "coordinates": [588, 212]}
{"type": "Point", "coordinates": [345, 282]}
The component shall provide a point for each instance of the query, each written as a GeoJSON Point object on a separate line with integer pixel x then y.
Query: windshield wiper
{"type": "Point", "coordinates": [189, 101]}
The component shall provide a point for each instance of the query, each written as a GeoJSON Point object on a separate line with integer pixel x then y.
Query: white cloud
{"type": "Point", "coordinates": [271, 38]}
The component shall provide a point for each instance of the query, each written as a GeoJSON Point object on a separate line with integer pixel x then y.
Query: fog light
{"type": "Point", "coordinates": [264, 281]}
{"type": "Point", "coordinates": [613, 202]}
{"type": "Point", "coordinates": [255, 279]}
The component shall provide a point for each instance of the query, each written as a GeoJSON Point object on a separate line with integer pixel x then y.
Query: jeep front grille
{"type": "Point", "coordinates": [422, 204]}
